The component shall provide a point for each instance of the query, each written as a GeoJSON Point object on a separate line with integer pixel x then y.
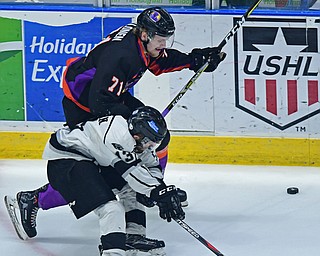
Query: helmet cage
{"type": "Point", "coordinates": [146, 143]}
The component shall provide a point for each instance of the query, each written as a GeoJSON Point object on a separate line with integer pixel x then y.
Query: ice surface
{"type": "Point", "coordinates": [241, 210]}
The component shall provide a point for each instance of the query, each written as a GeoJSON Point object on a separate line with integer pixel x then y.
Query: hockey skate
{"type": "Point", "coordinates": [138, 245]}
{"type": "Point", "coordinates": [13, 208]}
{"type": "Point", "coordinates": [26, 204]}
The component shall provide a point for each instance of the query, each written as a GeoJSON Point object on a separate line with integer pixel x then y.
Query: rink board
{"type": "Point", "coordinates": [261, 106]}
{"type": "Point", "coordinates": [194, 149]}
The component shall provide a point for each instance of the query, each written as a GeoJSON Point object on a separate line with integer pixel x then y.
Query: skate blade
{"type": "Point", "coordinates": [155, 252]}
{"type": "Point", "coordinates": [12, 205]}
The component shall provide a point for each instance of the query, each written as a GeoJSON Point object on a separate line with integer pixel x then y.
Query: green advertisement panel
{"type": "Point", "coordinates": [11, 70]}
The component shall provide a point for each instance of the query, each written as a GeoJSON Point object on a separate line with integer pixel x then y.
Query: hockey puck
{"type": "Point", "coordinates": [292, 190]}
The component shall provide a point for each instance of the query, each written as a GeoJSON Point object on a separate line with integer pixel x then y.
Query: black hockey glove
{"type": "Point", "coordinates": [168, 202]}
{"type": "Point", "coordinates": [212, 55]}
{"type": "Point", "coordinates": [146, 201]}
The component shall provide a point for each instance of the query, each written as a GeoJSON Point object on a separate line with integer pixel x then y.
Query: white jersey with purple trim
{"type": "Point", "coordinates": [106, 141]}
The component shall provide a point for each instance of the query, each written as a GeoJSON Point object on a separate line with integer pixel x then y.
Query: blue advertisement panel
{"type": "Point", "coordinates": [47, 48]}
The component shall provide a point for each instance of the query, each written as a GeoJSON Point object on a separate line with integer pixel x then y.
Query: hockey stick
{"type": "Point", "coordinates": [234, 30]}
{"type": "Point", "coordinates": [203, 68]}
{"type": "Point", "coordinates": [198, 237]}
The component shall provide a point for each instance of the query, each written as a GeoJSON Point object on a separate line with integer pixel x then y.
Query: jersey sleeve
{"type": "Point", "coordinates": [142, 172]}
{"type": "Point", "coordinates": [138, 177]}
{"type": "Point", "coordinates": [150, 159]}
{"type": "Point", "coordinates": [170, 60]}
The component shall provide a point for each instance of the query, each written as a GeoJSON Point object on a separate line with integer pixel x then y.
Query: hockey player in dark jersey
{"type": "Point", "coordinates": [98, 84]}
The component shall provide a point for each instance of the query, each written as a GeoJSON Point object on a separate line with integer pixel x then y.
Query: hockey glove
{"type": "Point", "coordinates": [168, 202]}
{"type": "Point", "coordinates": [212, 55]}
{"type": "Point", "coordinates": [146, 201]}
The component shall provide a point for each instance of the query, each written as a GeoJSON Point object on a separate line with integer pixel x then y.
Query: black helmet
{"type": "Point", "coordinates": [148, 122]}
{"type": "Point", "coordinates": [156, 21]}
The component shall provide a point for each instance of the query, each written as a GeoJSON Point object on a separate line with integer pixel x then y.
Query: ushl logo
{"type": "Point", "coordinates": [277, 70]}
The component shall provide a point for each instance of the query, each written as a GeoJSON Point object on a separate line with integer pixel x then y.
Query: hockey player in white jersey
{"type": "Point", "coordinates": [112, 156]}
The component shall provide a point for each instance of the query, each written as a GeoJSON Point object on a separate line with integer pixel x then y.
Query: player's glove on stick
{"type": "Point", "coordinates": [212, 55]}
{"type": "Point", "coordinates": [146, 201]}
{"type": "Point", "coordinates": [168, 202]}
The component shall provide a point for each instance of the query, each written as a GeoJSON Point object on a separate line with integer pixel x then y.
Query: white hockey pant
{"type": "Point", "coordinates": [112, 227]}
{"type": "Point", "coordinates": [127, 197]}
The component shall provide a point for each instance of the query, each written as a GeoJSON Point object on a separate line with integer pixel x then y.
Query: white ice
{"type": "Point", "coordinates": [241, 210]}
